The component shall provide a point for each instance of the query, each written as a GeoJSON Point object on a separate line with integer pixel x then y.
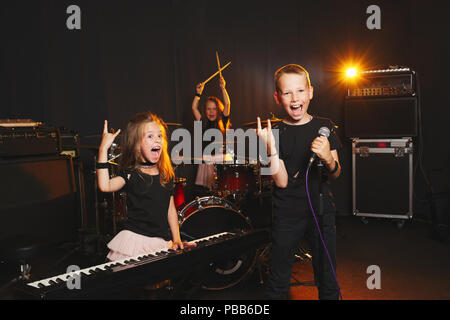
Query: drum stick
{"type": "Point", "coordinates": [218, 63]}
{"type": "Point", "coordinates": [215, 74]}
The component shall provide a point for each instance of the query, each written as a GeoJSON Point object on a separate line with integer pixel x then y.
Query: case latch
{"type": "Point", "coordinates": [399, 152]}
{"type": "Point", "coordinates": [364, 152]}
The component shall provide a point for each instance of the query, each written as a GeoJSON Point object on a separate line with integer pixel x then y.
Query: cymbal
{"type": "Point", "coordinates": [273, 120]}
{"type": "Point", "coordinates": [173, 124]}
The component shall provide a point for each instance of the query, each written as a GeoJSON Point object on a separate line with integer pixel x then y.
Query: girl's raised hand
{"type": "Point", "coordinates": [199, 88]}
{"type": "Point", "coordinates": [107, 137]}
{"type": "Point", "coordinates": [222, 82]}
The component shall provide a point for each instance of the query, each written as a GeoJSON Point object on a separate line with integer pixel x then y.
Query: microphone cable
{"type": "Point", "coordinates": [320, 233]}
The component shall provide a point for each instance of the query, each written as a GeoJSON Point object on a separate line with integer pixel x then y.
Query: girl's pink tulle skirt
{"type": "Point", "coordinates": [128, 244]}
{"type": "Point", "coordinates": [205, 175]}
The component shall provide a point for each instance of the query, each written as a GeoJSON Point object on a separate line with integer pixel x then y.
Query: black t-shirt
{"type": "Point", "coordinates": [147, 204]}
{"type": "Point", "coordinates": [208, 124]}
{"type": "Point", "coordinates": [295, 150]}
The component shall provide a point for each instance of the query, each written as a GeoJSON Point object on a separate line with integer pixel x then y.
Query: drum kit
{"type": "Point", "coordinates": [224, 209]}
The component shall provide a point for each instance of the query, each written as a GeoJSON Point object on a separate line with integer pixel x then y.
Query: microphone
{"type": "Point", "coordinates": [324, 132]}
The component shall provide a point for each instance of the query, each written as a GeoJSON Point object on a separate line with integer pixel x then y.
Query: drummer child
{"type": "Point", "coordinates": [146, 175]}
{"type": "Point", "coordinates": [217, 116]}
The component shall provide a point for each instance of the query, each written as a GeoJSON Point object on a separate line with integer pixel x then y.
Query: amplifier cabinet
{"type": "Point", "coordinates": [382, 178]}
{"type": "Point", "coordinates": [29, 141]}
{"type": "Point", "coordinates": [381, 117]}
{"type": "Point", "coordinates": [39, 198]}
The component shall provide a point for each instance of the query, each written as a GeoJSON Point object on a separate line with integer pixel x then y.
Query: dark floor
{"type": "Point", "coordinates": [412, 266]}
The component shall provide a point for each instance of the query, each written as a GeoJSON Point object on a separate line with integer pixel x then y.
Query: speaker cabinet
{"type": "Point", "coordinates": [39, 198]}
{"type": "Point", "coordinates": [380, 117]}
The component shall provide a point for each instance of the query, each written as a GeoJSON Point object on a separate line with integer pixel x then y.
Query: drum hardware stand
{"type": "Point", "coordinates": [100, 240]}
{"type": "Point", "coordinates": [80, 244]}
{"type": "Point", "coordinates": [82, 193]}
{"type": "Point", "coordinates": [302, 256]}
{"type": "Point", "coordinates": [96, 203]}
{"type": "Point", "coordinates": [296, 283]}
{"type": "Point", "coordinates": [262, 256]}
{"type": "Point", "coordinates": [111, 158]}
{"type": "Point", "coordinates": [114, 213]}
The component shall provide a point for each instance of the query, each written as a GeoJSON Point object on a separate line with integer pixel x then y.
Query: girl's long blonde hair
{"type": "Point", "coordinates": [131, 146]}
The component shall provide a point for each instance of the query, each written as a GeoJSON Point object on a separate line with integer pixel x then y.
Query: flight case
{"type": "Point", "coordinates": [382, 178]}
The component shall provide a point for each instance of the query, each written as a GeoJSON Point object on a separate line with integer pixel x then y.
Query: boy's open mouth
{"type": "Point", "coordinates": [297, 109]}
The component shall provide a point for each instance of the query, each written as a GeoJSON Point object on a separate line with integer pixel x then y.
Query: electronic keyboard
{"type": "Point", "coordinates": [98, 280]}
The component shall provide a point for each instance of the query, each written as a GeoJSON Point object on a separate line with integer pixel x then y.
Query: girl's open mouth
{"type": "Point", "coordinates": [156, 151]}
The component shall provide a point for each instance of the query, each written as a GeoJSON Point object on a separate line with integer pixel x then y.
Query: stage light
{"type": "Point", "coordinates": [351, 72]}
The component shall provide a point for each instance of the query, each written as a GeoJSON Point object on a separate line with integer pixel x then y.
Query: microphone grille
{"type": "Point", "coordinates": [324, 131]}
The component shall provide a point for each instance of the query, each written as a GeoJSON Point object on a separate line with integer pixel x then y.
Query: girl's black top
{"type": "Point", "coordinates": [147, 204]}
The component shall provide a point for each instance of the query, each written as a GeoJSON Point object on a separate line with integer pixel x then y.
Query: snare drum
{"type": "Point", "coordinates": [212, 215]}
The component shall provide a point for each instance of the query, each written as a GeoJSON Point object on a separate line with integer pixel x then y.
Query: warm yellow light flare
{"type": "Point", "coordinates": [351, 72]}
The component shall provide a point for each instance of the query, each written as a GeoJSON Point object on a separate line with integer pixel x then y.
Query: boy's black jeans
{"type": "Point", "coordinates": [287, 231]}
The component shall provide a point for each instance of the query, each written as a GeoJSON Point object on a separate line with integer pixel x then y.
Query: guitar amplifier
{"type": "Point", "coordinates": [17, 140]}
{"type": "Point", "coordinates": [389, 82]}
{"type": "Point", "coordinates": [382, 103]}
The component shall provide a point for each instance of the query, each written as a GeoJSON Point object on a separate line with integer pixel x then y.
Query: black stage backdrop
{"type": "Point", "coordinates": [131, 56]}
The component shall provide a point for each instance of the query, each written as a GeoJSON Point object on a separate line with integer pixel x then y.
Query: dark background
{"type": "Point", "coordinates": [131, 56]}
